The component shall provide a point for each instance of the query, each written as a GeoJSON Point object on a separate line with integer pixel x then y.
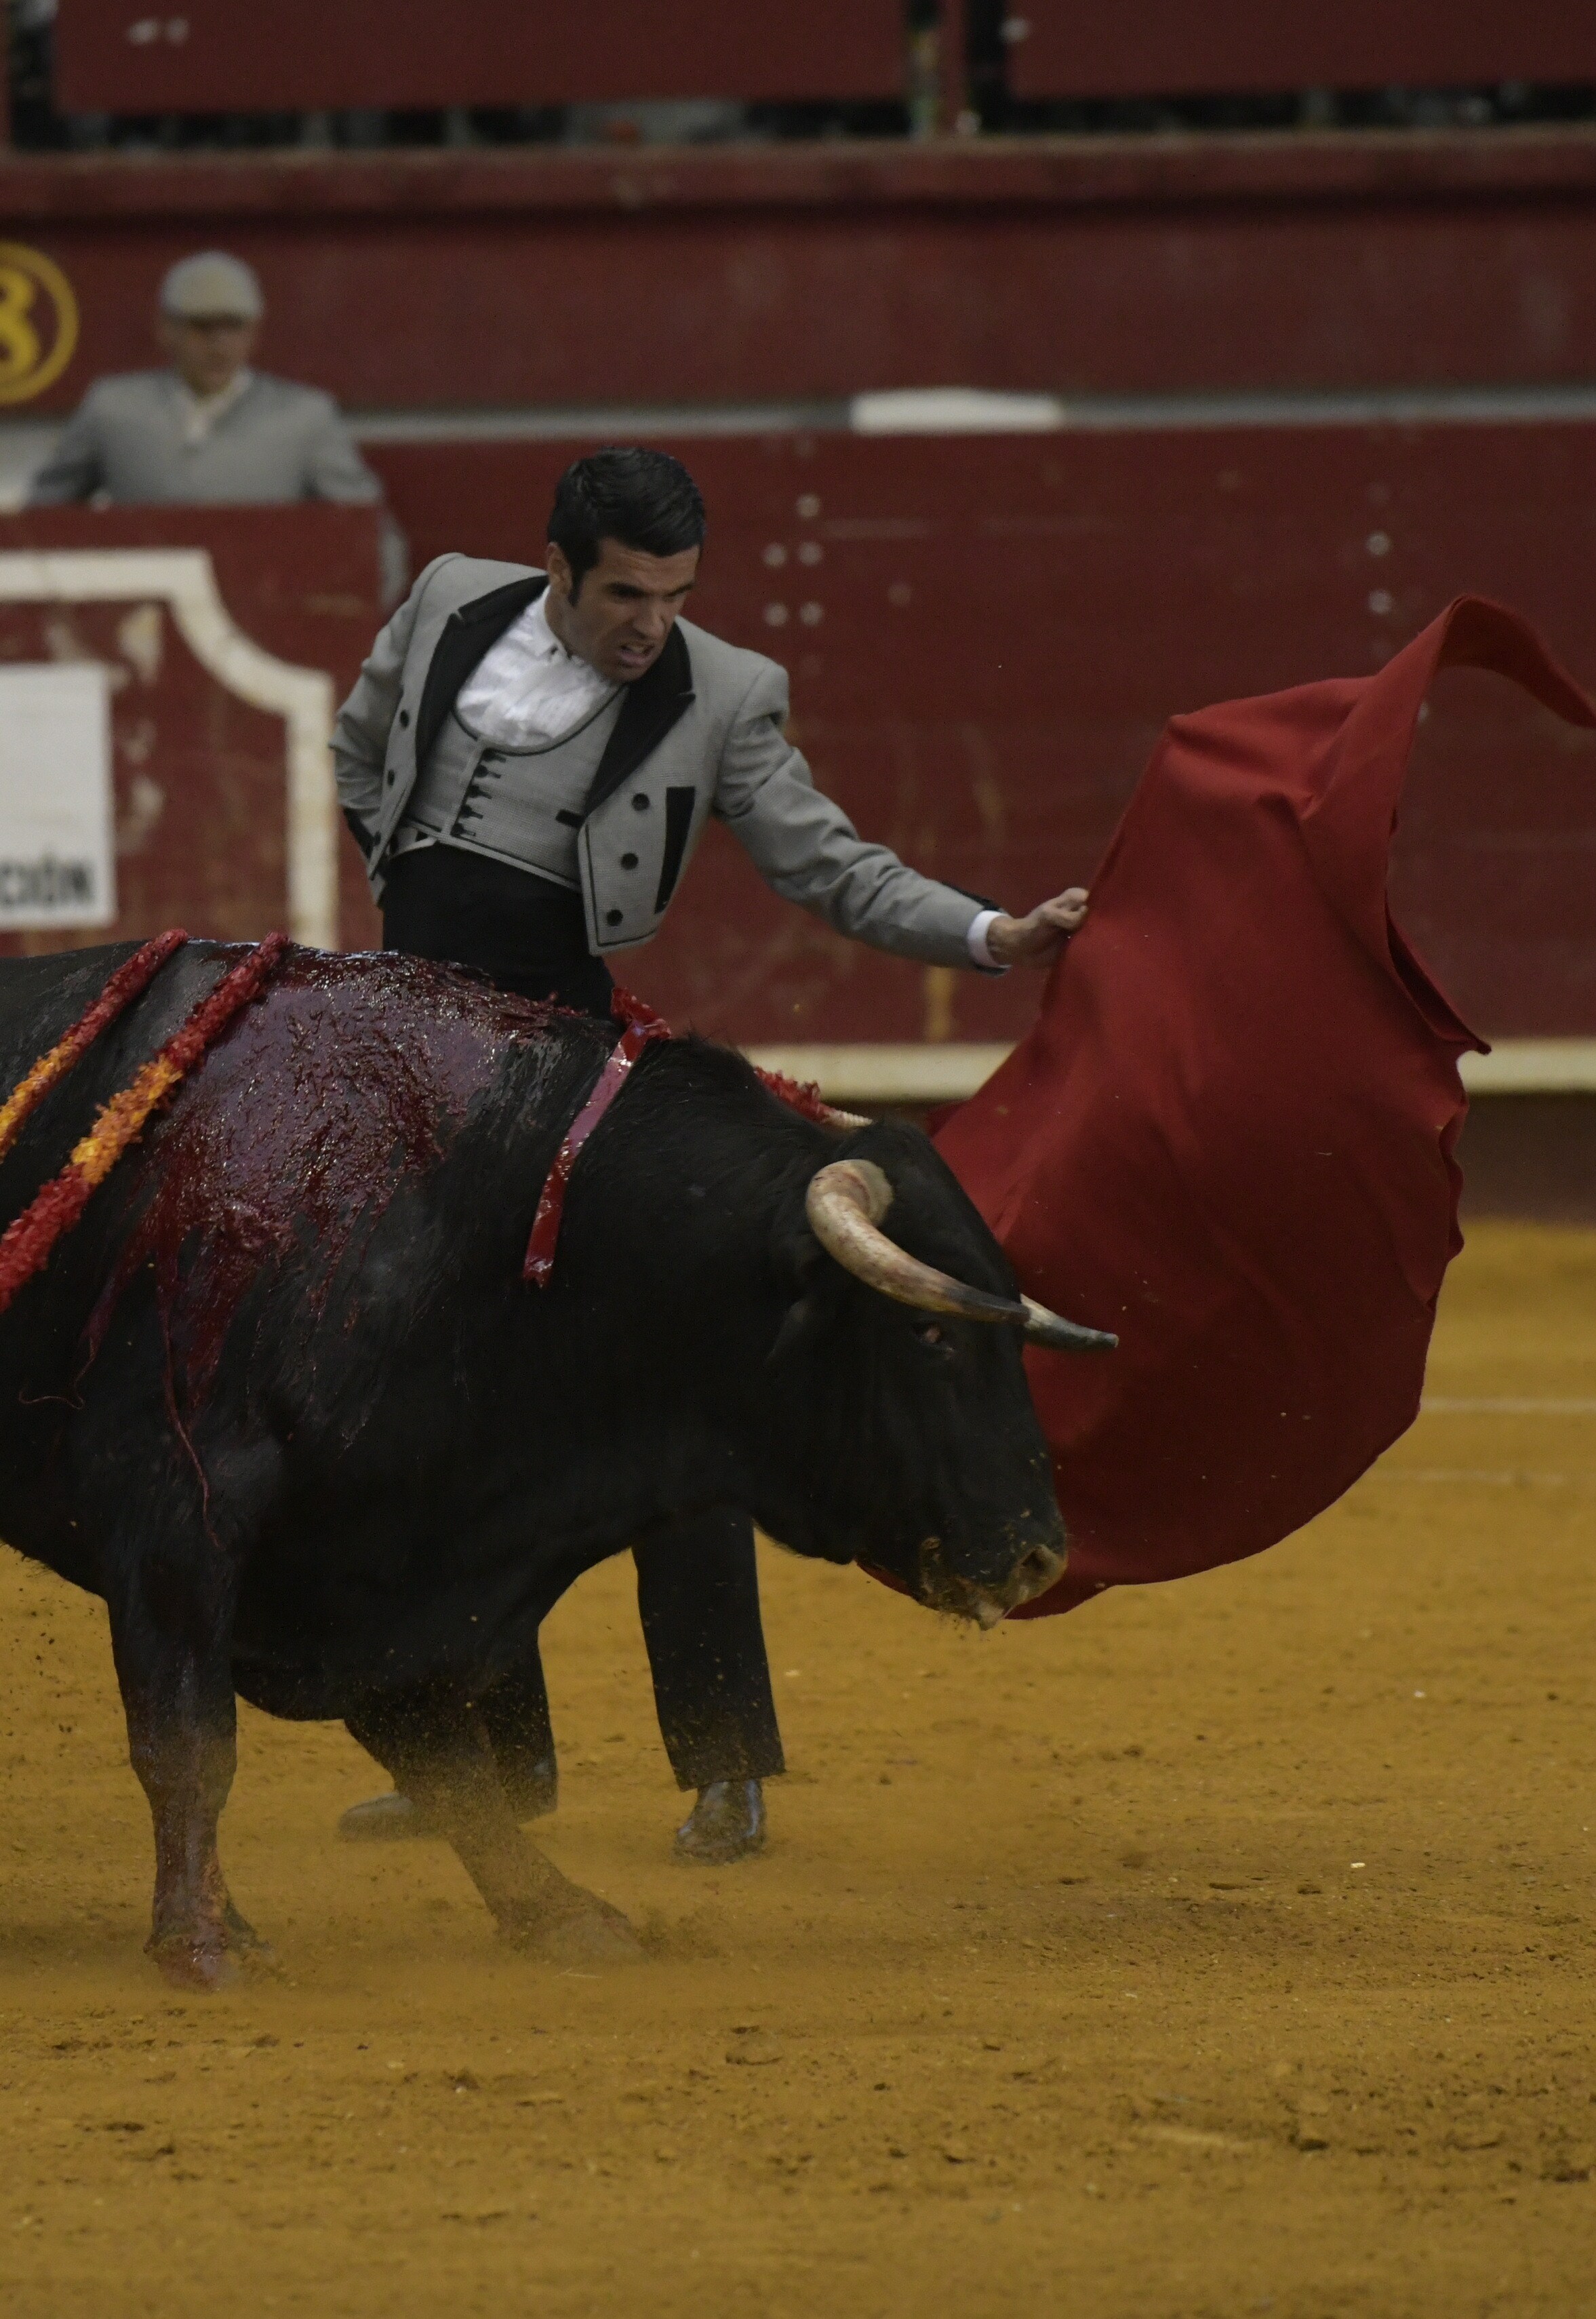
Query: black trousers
{"type": "Point", "coordinates": [697, 1582]}
{"type": "Point", "coordinates": [467, 910]}
{"type": "Point", "coordinates": [698, 1595]}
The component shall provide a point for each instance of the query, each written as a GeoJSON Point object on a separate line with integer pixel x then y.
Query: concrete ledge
{"type": "Point", "coordinates": [1533, 1066]}
{"type": "Point", "coordinates": [865, 1073]}
{"type": "Point", "coordinates": [1550, 161]}
{"type": "Point", "coordinates": [920, 1074]}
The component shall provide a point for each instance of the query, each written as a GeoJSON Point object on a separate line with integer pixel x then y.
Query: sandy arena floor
{"type": "Point", "coordinates": [1225, 1948]}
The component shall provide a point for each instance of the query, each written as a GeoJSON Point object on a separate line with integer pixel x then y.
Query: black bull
{"type": "Point", "coordinates": [285, 1402]}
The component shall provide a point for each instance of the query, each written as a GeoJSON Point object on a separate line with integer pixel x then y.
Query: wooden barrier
{"type": "Point", "coordinates": [229, 635]}
{"type": "Point", "coordinates": [449, 281]}
{"type": "Point", "coordinates": [986, 635]}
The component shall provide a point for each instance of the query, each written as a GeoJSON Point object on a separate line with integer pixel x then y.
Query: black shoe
{"type": "Point", "coordinates": [534, 1792]}
{"type": "Point", "coordinates": [383, 1818]}
{"type": "Point", "coordinates": [727, 1823]}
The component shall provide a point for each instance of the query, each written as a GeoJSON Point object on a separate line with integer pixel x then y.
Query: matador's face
{"type": "Point", "coordinates": [619, 615]}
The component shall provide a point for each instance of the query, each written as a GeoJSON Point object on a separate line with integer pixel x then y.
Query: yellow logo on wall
{"type": "Point", "coordinates": [38, 322]}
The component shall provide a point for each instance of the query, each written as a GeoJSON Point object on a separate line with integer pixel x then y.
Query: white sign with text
{"type": "Point", "coordinates": [57, 859]}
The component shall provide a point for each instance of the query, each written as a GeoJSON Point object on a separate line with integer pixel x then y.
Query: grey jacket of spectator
{"type": "Point", "coordinates": [276, 442]}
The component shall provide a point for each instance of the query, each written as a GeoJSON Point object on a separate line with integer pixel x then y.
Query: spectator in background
{"type": "Point", "coordinates": [210, 430]}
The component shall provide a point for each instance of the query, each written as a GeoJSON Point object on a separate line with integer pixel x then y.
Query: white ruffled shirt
{"type": "Point", "coordinates": [527, 690]}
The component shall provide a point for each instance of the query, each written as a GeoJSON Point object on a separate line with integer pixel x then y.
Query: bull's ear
{"type": "Point", "coordinates": [798, 1260]}
{"type": "Point", "coordinates": [797, 1321]}
{"type": "Point", "coordinates": [798, 1255]}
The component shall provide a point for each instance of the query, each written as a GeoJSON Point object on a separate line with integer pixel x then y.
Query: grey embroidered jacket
{"type": "Point", "coordinates": [700, 733]}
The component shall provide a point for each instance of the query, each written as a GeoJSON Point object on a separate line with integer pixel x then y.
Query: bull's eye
{"type": "Point", "coordinates": [928, 1332]}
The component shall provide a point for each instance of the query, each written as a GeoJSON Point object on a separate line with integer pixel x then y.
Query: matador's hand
{"type": "Point", "coordinates": [1037, 940]}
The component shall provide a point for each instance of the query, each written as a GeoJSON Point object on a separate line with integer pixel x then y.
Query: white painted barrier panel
{"type": "Point", "coordinates": [58, 862]}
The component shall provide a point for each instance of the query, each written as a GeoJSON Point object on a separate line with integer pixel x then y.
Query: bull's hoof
{"type": "Point", "coordinates": [727, 1823]}
{"type": "Point", "coordinates": [196, 1961]}
{"type": "Point", "coordinates": [381, 1819]}
{"type": "Point", "coordinates": [593, 1933]}
{"type": "Point", "coordinates": [253, 1952]}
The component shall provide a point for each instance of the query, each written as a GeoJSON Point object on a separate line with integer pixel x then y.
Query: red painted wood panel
{"type": "Point", "coordinates": [199, 775]}
{"type": "Point", "coordinates": [1167, 48]}
{"type": "Point", "coordinates": [985, 637]}
{"type": "Point", "coordinates": [223, 56]}
{"type": "Point", "coordinates": [455, 283]}
{"type": "Point", "coordinates": [997, 628]}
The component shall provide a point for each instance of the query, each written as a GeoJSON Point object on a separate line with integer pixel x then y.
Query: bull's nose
{"type": "Point", "coordinates": [1035, 1572]}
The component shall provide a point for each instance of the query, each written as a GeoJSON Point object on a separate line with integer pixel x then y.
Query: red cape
{"type": "Point", "coordinates": [1230, 1136]}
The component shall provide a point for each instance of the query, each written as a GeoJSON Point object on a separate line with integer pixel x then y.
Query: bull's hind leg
{"type": "Point", "coordinates": [169, 1581]}
{"type": "Point", "coordinates": [170, 1628]}
{"type": "Point", "coordinates": [436, 1749]}
{"type": "Point", "coordinates": [170, 1587]}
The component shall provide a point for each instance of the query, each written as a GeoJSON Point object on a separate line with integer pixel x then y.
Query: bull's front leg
{"type": "Point", "coordinates": [436, 1748]}
{"type": "Point", "coordinates": [171, 1623]}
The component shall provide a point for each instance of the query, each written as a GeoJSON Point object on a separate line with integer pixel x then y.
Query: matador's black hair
{"type": "Point", "coordinates": [642, 499]}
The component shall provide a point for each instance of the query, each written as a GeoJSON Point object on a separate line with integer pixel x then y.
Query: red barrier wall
{"type": "Point", "coordinates": [200, 775]}
{"type": "Point", "coordinates": [989, 634]}
{"type": "Point", "coordinates": [985, 636]}
{"type": "Point", "coordinates": [1157, 265]}
{"type": "Point", "coordinates": [223, 56]}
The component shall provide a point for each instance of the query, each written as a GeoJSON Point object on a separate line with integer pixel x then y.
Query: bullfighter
{"type": "Point", "coordinates": [527, 760]}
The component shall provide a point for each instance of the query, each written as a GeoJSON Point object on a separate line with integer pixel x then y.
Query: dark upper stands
{"type": "Point", "coordinates": [1063, 48]}
{"type": "Point", "coordinates": [174, 75]}
{"type": "Point", "coordinates": [233, 56]}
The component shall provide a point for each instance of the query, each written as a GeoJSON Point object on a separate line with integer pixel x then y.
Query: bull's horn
{"type": "Point", "coordinates": [845, 1204]}
{"type": "Point", "coordinates": [1045, 1328]}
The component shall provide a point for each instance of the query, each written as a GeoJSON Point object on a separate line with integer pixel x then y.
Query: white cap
{"type": "Point", "coordinates": [212, 287]}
